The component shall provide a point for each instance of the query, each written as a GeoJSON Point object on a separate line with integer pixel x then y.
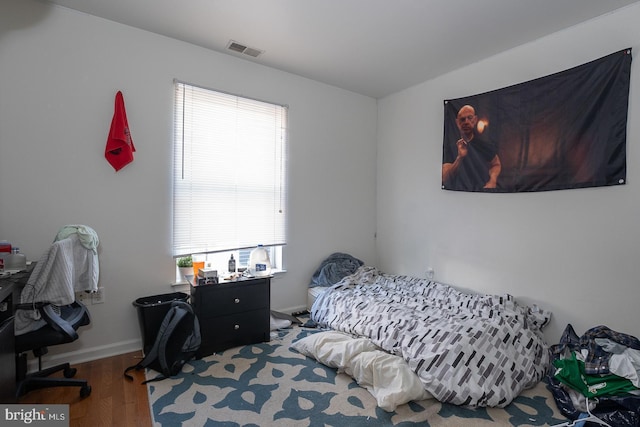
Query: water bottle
{"type": "Point", "coordinates": [15, 260]}
{"type": "Point", "coordinates": [259, 264]}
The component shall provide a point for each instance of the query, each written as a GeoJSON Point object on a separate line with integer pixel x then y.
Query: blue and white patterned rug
{"type": "Point", "coordinates": [268, 384]}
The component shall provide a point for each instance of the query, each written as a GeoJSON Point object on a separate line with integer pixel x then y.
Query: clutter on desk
{"type": "Point", "coordinates": [5, 249]}
{"type": "Point", "coordinates": [11, 259]}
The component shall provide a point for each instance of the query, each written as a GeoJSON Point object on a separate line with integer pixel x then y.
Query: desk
{"type": "Point", "coordinates": [10, 288]}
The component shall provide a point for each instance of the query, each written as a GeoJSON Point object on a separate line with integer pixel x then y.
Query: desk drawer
{"type": "Point", "coordinates": [7, 363]}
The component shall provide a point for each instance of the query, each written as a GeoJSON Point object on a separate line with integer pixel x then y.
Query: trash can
{"type": "Point", "coordinates": [151, 312]}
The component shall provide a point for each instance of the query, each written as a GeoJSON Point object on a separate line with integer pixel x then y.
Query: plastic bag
{"type": "Point", "coordinates": [618, 411]}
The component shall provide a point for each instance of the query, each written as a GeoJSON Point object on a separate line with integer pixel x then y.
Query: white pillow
{"type": "Point", "coordinates": [387, 377]}
{"type": "Point", "coordinates": [332, 348]}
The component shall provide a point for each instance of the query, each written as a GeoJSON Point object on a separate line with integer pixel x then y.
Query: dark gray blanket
{"type": "Point", "coordinates": [333, 269]}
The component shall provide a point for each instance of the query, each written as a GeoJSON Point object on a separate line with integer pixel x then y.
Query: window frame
{"type": "Point", "coordinates": [280, 185]}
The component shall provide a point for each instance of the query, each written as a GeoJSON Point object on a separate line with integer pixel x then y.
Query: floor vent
{"type": "Point", "coordinates": [240, 48]}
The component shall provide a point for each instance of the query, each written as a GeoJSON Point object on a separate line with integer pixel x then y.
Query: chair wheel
{"type": "Point", "coordinates": [85, 391]}
{"type": "Point", "coordinates": [69, 372]}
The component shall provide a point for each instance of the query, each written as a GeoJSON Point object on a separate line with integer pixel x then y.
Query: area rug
{"type": "Point", "coordinates": [270, 384]}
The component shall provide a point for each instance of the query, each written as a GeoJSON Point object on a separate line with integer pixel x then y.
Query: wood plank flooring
{"type": "Point", "coordinates": [114, 400]}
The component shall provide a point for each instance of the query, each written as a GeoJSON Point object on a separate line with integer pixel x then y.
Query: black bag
{"type": "Point", "coordinates": [177, 341]}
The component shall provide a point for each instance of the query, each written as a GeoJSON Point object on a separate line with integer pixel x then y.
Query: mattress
{"type": "Point", "coordinates": [312, 294]}
{"type": "Point", "coordinates": [467, 349]}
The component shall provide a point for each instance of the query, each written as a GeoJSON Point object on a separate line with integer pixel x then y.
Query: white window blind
{"type": "Point", "coordinates": [229, 181]}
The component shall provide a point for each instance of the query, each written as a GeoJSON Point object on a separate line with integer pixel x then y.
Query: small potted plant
{"type": "Point", "coordinates": [185, 266]}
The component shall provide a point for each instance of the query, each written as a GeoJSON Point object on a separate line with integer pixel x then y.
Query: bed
{"type": "Point", "coordinates": [461, 348]}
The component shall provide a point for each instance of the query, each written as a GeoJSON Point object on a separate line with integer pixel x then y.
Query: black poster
{"type": "Point", "coordinates": [566, 130]}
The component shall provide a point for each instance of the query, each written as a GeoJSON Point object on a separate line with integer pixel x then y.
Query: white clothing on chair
{"type": "Point", "coordinates": [67, 267]}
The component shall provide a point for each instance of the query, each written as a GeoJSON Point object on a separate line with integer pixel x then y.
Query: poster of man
{"type": "Point", "coordinates": [473, 163]}
{"type": "Point", "coordinates": [563, 131]}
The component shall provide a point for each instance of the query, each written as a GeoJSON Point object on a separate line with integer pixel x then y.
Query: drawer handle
{"type": "Point", "coordinates": [237, 300]}
{"type": "Point", "coordinates": [236, 327]}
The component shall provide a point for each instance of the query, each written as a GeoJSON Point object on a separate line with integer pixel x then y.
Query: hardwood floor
{"type": "Point", "coordinates": [114, 400]}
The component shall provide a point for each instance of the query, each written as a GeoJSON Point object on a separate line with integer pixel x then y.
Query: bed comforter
{"type": "Point", "coordinates": [467, 349]}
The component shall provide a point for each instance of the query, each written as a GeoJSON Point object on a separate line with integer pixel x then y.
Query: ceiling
{"type": "Point", "coordinates": [371, 47]}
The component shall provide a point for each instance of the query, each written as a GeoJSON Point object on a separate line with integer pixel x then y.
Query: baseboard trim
{"type": "Point", "coordinates": [88, 354]}
{"type": "Point", "coordinates": [103, 351]}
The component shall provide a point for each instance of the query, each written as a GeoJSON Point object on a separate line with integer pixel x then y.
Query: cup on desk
{"type": "Point", "coordinates": [197, 265]}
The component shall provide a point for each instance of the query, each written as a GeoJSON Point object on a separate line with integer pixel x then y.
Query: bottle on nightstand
{"type": "Point", "coordinates": [232, 264]}
{"type": "Point", "coordinates": [259, 264]}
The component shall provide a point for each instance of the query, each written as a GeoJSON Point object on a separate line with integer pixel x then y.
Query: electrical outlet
{"type": "Point", "coordinates": [430, 273]}
{"type": "Point", "coordinates": [82, 296]}
{"type": "Point", "coordinates": [98, 297]}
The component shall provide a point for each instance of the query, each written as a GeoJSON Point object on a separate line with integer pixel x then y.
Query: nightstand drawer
{"type": "Point", "coordinates": [234, 330]}
{"type": "Point", "coordinates": [222, 300]}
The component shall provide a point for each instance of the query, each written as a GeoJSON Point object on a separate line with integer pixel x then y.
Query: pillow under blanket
{"type": "Point", "coordinates": [387, 377]}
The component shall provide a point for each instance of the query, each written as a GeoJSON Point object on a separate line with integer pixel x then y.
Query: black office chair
{"type": "Point", "coordinates": [48, 313]}
{"type": "Point", "coordinates": [60, 328]}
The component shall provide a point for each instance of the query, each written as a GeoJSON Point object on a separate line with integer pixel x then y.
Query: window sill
{"type": "Point", "coordinates": [180, 286]}
{"type": "Point", "coordinates": [274, 273]}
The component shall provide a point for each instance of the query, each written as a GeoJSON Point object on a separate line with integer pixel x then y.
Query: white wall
{"type": "Point", "coordinates": [574, 252]}
{"type": "Point", "coordinates": [60, 71]}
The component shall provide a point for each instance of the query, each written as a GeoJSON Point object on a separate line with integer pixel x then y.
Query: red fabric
{"type": "Point", "coordinates": [120, 148]}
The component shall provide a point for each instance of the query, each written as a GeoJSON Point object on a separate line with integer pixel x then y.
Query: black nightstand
{"type": "Point", "coordinates": [232, 313]}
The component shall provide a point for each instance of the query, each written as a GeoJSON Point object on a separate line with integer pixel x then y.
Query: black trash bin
{"type": "Point", "coordinates": [151, 312]}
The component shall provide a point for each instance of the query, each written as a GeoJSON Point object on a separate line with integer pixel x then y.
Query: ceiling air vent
{"type": "Point", "coordinates": [240, 48]}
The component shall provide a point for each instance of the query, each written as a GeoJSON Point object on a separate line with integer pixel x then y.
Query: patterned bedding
{"type": "Point", "coordinates": [467, 349]}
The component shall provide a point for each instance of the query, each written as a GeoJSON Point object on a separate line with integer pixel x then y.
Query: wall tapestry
{"type": "Point", "coordinates": [566, 130]}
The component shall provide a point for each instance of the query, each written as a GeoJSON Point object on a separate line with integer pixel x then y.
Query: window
{"type": "Point", "coordinates": [229, 180]}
